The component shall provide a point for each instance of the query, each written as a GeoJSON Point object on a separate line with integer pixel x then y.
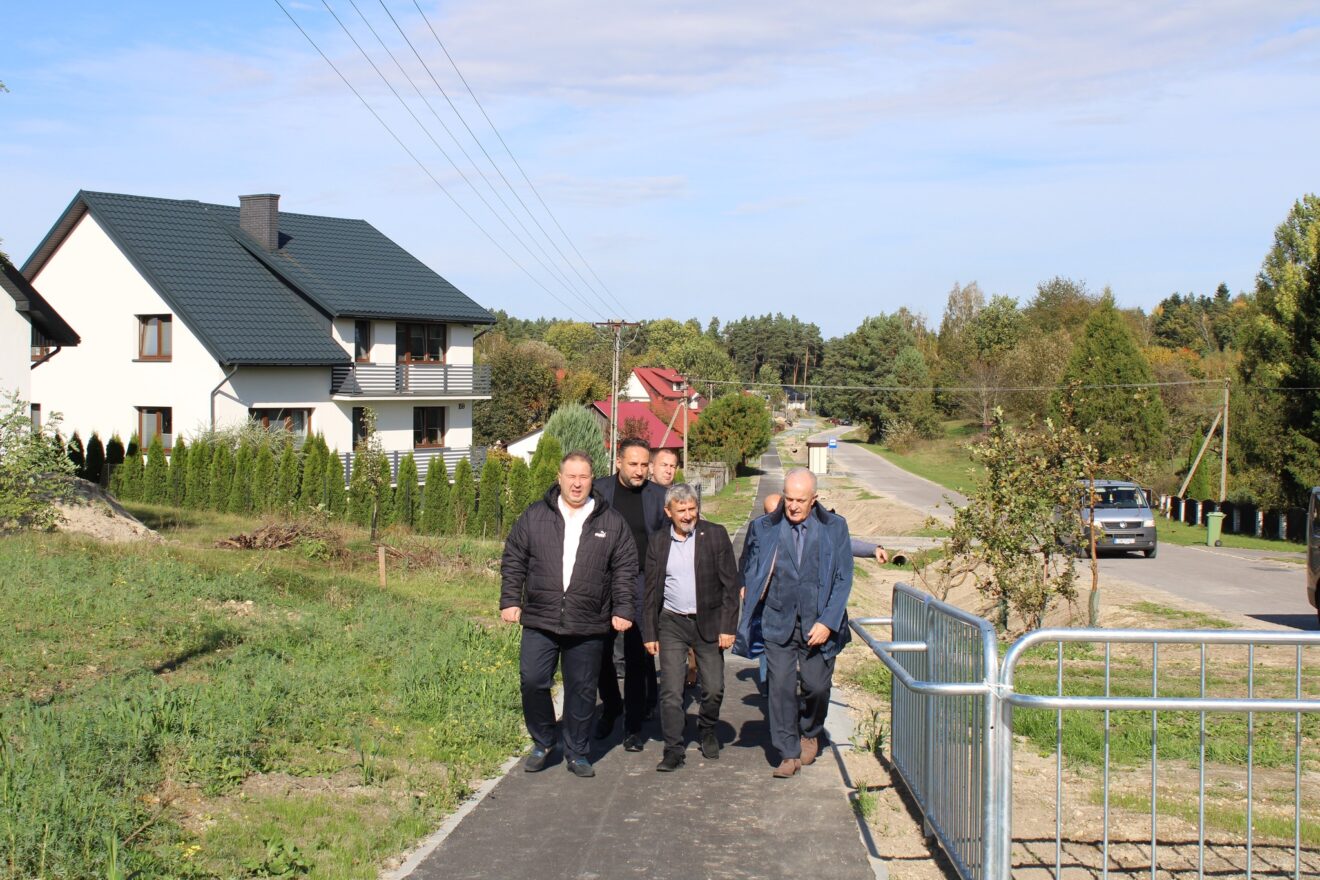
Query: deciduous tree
{"type": "Point", "coordinates": [732, 429]}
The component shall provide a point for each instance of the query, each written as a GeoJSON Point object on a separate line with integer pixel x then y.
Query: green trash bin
{"type": "Point", "coordinates": [1214, 528]}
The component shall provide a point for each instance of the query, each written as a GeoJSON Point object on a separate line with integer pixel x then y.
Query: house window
{"type": "Point", "coordinates": [362, 342]}
{"type": "Point", "coordinates": [36, 417]}
{"type": "Point", "coordinates": [420, 342]}
{"type": "Point", "coordinates": [359, 425]}
{"type": "Point", "coordinates": [295, 421]}
{"type": "Point", "coordinates": [155, 421]}
{"type": "Point", "coordinates": [428, 426]}
{"type": "Point", "coordinates": [155, 337]}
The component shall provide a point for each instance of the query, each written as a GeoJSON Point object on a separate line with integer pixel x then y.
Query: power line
{"type": "Point", "coordinates": [431, 137]}
{"type": "Point", "coordinates": [934, 388]}
{"type": "Point", "coordinates": [559, 275]}
{"type": "Point", "coordinates": [516, 164]}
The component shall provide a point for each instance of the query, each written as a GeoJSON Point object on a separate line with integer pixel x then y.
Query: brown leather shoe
{"type": "Point", "coordinates": [810, 749]}
{"type": "Point", "coordinates": [788, 767]}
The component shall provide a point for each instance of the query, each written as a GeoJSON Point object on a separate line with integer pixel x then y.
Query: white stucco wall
{"type": "Point", "coordinates": [15, 350]}
{"type": "Point", "coordinates": [635, 390]}
{"type": "Point", "coordinates": [98, 384]}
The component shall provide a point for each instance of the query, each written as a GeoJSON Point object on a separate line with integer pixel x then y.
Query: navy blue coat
{"type": "Point", "coordinates": [765, 550]}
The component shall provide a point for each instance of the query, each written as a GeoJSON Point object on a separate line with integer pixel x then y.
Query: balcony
{"type": "Point", "coordinates": [410, 380]}
{"type": "Point", "coordinates": [449, 456]}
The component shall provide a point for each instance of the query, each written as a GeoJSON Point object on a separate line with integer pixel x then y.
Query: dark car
{"type": "Point", "coordinates": [1124, 514]}
{"type": "Point", "coordinates": [1313, 552]}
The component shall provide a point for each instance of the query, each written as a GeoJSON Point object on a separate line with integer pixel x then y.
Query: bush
{"type": "Point", "coordinates": [130, 473]}
{"type": "Point", "coordinates": [156, 476]}
{"type": "Point", "coordinates": [264, 472]}
{"type": "Point", "coordinates": [490, 499]}
{"type": "Point", "coordinates": [312, 489]}
{"type": "Point", "coordinates": [435, 499]}
{"type": "Point", "coordinates": [94, 466]}
{"type": "Point", "coordinates": [179, 472]}
{"type": "Point", "coordinates": [516, 492]}
{"type": "Point", "coordinates": [576, 428]}
{"type": "Point", "coordinates": [76, 455]}
{"type": "Point", "coordinates": [732, 429]}
{"type": "Point", "coordinates": [545, 467]}
{"type": "Point", "coordinates": [241, 486]}
{"type": "Point", "coordinates": [288, 478]}
{"type": "Point", "coordinates": [221, 477]}
{"type": "Point", "coordinates": [335, 495]}
{"type": "Point", "coordinates": [406, 496]}
{"type": "Point", "coordinates": [198, 490]}
{"type": "Point", "coordinates": [34, 472]}
{"type": "Point", "coordinates": [462, 499]}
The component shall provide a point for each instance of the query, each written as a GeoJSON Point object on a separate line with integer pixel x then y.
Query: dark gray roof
{"type": "Point", "coordinates": [251, 306]}
{"type": "Point", "coordinates": [30, 304]}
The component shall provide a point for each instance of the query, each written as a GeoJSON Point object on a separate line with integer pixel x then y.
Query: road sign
{"type": "Point", "coordinates": [834, 443]}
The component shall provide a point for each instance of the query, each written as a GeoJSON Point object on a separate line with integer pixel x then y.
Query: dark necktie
{"type": "Point", "coordinates": [799, 533]}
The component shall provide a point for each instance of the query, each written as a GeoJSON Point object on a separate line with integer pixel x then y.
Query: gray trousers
{"type": "Point", "coordinates": [786, 667]}
{"type": "Point", "coordinates": [677, 633]}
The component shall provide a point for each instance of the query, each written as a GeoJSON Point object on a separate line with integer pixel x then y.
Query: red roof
{"type": "Point", "coordinates": [655, 428]}
{"type": "Point", "coordinates": [659, 383]}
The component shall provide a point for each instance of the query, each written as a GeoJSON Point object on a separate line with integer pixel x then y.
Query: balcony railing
{"type": "Point", "coordinates": [449, 456]}
{"type": "Point", "coordinates": [410, 380]}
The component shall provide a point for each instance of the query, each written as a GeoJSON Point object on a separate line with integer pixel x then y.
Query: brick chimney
{"type": "Point", "coordinates": [259, 217]}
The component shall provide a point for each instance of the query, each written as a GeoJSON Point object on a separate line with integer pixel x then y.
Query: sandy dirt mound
{"type": "Point", "coordinates": [93, 513]}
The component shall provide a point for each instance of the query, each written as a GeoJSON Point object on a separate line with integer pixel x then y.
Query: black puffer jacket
{"type": "Point", "coordinates": [604, 573]}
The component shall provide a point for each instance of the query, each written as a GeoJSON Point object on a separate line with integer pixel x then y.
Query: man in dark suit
{"type": "Point", "coordinates": [691, 603]}
{"type": "Point", "coordinates": [641, 503]}
{"type": "Point", "coordinates": [797, 567]}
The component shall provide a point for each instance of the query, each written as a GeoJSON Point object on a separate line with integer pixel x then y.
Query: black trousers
{"type": "Point", "coordinates": [639, 687]}
{"type": "Point", "coordinates": [786, 667]}
{"type": "Point", "coordinates": [678, 632]}
{"type": "Point", "coordinates": [580, 657]}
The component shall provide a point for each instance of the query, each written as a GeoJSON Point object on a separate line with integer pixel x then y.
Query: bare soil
{"type": "Point", "coordinates": [94, 513]}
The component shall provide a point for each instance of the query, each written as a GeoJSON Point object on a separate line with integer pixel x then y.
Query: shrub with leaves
{"type": "Point", "coordinates": [312, 489]}
{"type": "Point", "coordinates": [288, 476]}
{"type": "Point", "coordinates": [406, 496]}
{"type": "Point", "coordinates": [222, 475]}
{"type": "Point", "coordinates": [264, 472]}
{"type": "Point", "coordinates": [76, 454]}
{"type": "Point", "coordinates": [516, 488]}
{"type": "Point", "coordinates": [198, 491]}
{"type": "Point", "coordinates": [462, 499]}
{"type": "Point", "coordinates": [733, 429]}
{"type": "Point", "coordinates": [544, 467]}
{"type": "Point", "coordinates": [156, 476]}
{"type": "Point", "coordinates": [179, 472]}
{"type": "Point", "coordinates": [335, 494]}
{"type": "Point", "coordinates": [435, 499]}
{"type": "Point", "coordinates": [130, 473]}
{"type": "Point", "coordinates": [576, 428]}
{"type": "Point", "coordinates": [35, 472]}
{"type": "Point", "coordinates": [94, 465]}
{"type": "Point", "coordinates": [490, 498]}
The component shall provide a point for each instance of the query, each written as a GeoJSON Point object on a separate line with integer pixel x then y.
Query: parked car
{"type": "Point", "coordinates": [1313, 552]}
{"type": "Point", "coordinates": [1126, 519]}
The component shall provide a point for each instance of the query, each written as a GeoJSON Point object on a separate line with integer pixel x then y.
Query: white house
{"type": "Point", "coordinates": [200, 316]}
{"type": "Point", "coordinates": [31, 334]}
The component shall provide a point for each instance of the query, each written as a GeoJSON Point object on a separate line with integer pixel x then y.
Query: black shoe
{"type": "Point", "coordinates": [670, 762]}
{"type": "Point", "coordinates": [633, 742]}
{"type": "Point", "coordinates": [580, 767]}
{"type": "Point", "coordinates": [710, 745]}
{"type": "Point", "coordinates": [605, 725]}
{"type": "Point", "coordinates": [536, 759]}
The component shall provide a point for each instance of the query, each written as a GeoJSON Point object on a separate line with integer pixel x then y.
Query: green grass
{"type": "Point", "coordinates": [148, 692]}
{"type": "Point", "coordinates": [1193, 619]}
{"type": "Point", "coordinates": [944, 461]}
{"type": "Point", "coordinates": [731, 506]}
{"type": "Point", "coordinates": [1219, 816]}
{"type": "Point", "coordinates": [1176, 532]}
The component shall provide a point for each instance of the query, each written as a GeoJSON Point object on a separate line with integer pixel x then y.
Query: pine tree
{"type": "Point", "coordinates": [76, 456]}
{"type": "Point", "coordinates": [264, 473]}
{"type": "Point", "coordinates": [516, 489]}
{"type": "Point", "coordinates": [407, 496]}
{"type": "Point", "coordinates": [311, 492]}
{"type": "Point", "coordinates": [287, 477]}
{"type": "Point", "coordinates": [435, 498]}
{"type": "Point", "coordinates": [198, 491]}
{"type": "Point", "coordinates": [240, 488]}
{"type": "Point", "coordinates": [577, 429]}
{"type": "Point", "coordinates": [462, 499]}
{"type": "Point", "coordinates": [179, 472]}
{"type": "Point", "coordinates": [114, 464]}
{"type": "Point", "coordinates": [490, 498]}
{"type": "Point", "coordinates": [222, 475]}
{"type": "Point", "coordinates": [336, 498]}
{"type": "Point", "coordinates": [94, 467]}
{"type": "Point", "coordinates": [1122, 417]}
{"type": "Point", "coordinates": [545, 466]}
{"type": "Point", "coordinates": [156, 476]}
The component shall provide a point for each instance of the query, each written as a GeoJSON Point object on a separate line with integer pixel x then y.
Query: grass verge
{"type": "Point", "coordinates": [183, 712]}
{"type": "Point", "coordinates": [1176, 532]}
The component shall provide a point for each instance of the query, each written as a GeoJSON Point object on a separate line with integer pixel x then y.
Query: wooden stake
{"type": "Point", "coordinates": [380, 563]}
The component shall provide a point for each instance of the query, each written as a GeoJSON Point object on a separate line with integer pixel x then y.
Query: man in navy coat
{"type": "Point", "coordinates": [797, 569]}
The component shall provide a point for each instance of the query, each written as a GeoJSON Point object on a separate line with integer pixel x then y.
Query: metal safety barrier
{"type": "Point", "coordinates": [952, 744]}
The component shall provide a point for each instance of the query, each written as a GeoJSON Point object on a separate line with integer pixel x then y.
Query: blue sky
{"type": "Point", "coordinates": [826, 160]}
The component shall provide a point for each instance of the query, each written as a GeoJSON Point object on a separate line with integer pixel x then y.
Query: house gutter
{"type": "Point", "coordinates": [45, 357]}
{"type": "Point", "coordinates": [216, 390]}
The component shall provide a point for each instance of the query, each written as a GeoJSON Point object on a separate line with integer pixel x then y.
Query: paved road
{"type": "Point", "coordinates": [1243, 582]}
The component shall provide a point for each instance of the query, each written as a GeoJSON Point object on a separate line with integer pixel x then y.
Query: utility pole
{"type": "Point", "coordinates": [1223, 453]}
{"type": "Point", "coordinates": [617, 326]}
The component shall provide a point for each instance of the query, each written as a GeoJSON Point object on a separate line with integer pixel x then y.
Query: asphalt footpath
{"type": "Point", "coordinates": [724, 818]}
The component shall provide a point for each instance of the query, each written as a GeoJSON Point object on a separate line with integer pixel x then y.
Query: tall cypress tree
{"type": "Point", "coordinates": [311, 491]}
{"type": "Point", "coordinates": [490, 499]}
{"type": "Point", "coordinates": [359, 494]}
{"type": "Point", "coordinates": [515, 493]}
{"type": "Point", "coordinates": [240, 488]}
{"type": "Point", "coordinates": [156, 476]}
{"type": "Point", "coordinates": [198, 491]}
{"type": "Point", "coordinates": [264, 472]}
{"type": "Point", "coordinates": [222, 475]}
{"type": "Point", "coordinates": [94, 466]}
{"type": "Point", "coordinates": [179, 472]}
{"type": "Point", "coordinates": [130, 481]}
{"type": "Point", "coordinates": [288, 477]}
{"type": "Point", "coordinates": [435, 498]}
{"type": "Point", "coordinates": [336, 500]}
{"type": "Point", "coordinates": [545, 465]}
{"type": "Point", "coordinates": [407, 496]}
{"type": "Point", "coordinates": [462, 499]}
{"type": "Point", "coordinates": [76, 455]}
{"type": "Point", "coordinates": [114, 461]}
{"type": "Point", "coordinates": [384, 494]}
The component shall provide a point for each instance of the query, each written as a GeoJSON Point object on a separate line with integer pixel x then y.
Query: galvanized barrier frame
{"type": "Point", "coordinates": [935, 670]}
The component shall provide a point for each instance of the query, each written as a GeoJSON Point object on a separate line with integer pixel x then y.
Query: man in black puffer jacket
{"type": "Point", "coordinates": [568, 576]}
